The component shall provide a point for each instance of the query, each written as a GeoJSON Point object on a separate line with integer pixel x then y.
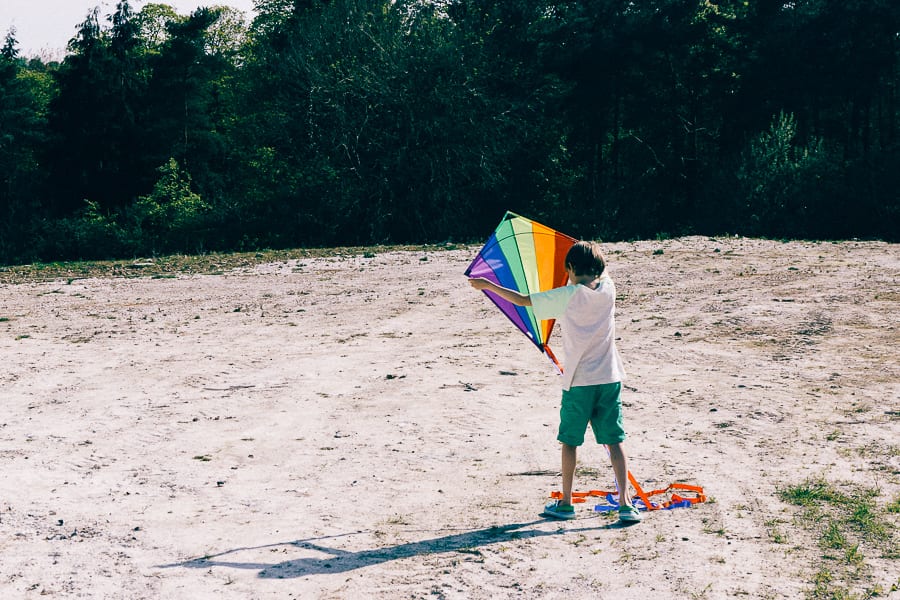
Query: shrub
{"type": "Point", "coordinates": [172, 216]}
{"type": "Point", "coordinates": [788, 189]}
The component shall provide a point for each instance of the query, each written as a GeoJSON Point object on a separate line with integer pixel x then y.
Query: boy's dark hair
{"type": "Point", "coordinates": [586, 258]}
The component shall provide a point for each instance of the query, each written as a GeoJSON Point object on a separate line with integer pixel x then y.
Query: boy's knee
{"type": "Point", "coordinates": [615, 450]}
{"type": "Point", "coordinates": [569, 439]}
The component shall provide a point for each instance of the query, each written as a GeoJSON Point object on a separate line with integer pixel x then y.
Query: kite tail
{"type": "Point", "coordinates": [671, 498]}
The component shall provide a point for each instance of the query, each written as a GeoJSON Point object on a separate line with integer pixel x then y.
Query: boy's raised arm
{"type": "Point", "coordinates": [480, 283]}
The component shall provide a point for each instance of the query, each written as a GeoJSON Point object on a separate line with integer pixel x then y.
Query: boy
{"type": "Point", "coordinates": [593, 371]}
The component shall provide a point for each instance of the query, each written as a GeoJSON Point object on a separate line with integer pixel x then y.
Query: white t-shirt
{"type": "Point", "coordinates": [588, 321]}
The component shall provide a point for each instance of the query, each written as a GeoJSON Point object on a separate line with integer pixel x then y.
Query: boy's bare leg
{"type": "Point", "coordinates": [569, 454]}
{"type": "Point", "coordinates": [620, 468]}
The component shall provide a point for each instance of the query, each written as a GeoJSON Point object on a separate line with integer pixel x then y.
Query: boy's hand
{"type": "Point", "coordinates": [479, 283]}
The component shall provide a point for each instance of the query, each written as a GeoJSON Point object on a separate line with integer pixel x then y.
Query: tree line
{"type": "Point", "coordinates": [346, 122]}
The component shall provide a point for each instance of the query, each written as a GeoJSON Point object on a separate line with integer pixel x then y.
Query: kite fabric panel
{"type": "Point", "coordinates": [527, 257]}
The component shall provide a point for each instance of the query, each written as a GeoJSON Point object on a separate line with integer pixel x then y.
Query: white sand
{"type": "Point", "coordinates": [356, 427]}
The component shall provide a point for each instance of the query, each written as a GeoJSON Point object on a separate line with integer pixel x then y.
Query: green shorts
{"type": "Point", "coordinates": [599, 405]}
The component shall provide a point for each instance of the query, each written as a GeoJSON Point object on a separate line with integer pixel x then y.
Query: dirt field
{"type": "Point", "coordinates": [365, 425]}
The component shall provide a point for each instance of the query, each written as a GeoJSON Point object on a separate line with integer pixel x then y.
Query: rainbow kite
{"type": "Point", "coordinates": [528, 257]}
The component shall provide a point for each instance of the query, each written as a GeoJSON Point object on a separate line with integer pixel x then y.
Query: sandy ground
{"type": "Point", "coordinates": [367, 426]}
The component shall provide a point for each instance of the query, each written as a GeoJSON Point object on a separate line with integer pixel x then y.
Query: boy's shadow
{"type": "Point", "coordinates": [341, 561]}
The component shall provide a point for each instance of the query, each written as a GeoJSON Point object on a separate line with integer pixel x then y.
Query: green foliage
{"type": "Point", "coordinates": [846, 519]}
{"type": "Point", "coordinates": [94, 234]}
{"type": "Point", "coordinates": [785, 184]}
{"type": "Point", "coordinates": [88, 234]}
{"type": "Point", "coordinates": [894, 507]}
{"type": "Point", "coordinates": [172, 215]}
{"type": "Point", "coordinates": [813, 492]}
{"type": "Point", "coordinates": [94, 118]}
{"type": "Point", "coordinates": [154, 21]}
{"type": "Point", "coordinates": [354, 122]}
{"type": "Point", "coordinates": [10, 51]}
{"type": "Point", "coordinates": [23, 98]}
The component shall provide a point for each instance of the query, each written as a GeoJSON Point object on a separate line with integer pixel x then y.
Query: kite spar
{"type": "Point", "coordinates": [527, 257]}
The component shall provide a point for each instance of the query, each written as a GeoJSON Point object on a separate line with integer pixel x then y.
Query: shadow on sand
{"type": "Point", "coordinates": [341, 561]}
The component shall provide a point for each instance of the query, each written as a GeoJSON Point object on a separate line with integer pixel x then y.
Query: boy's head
{"type": "Point", "coordinates": [586, 258]}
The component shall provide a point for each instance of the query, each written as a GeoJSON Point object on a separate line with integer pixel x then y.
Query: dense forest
{"type": "Point", "coordinates": [346, 122]}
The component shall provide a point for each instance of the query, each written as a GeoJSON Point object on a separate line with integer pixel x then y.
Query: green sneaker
{"type": "Point", "coordinates": [629, 514]}
{"type": "Point", "coordinates": [559, 511]}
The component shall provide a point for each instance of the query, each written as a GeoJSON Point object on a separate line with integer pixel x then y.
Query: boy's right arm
{"type": "Point", "coordinates": [480, 283]}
